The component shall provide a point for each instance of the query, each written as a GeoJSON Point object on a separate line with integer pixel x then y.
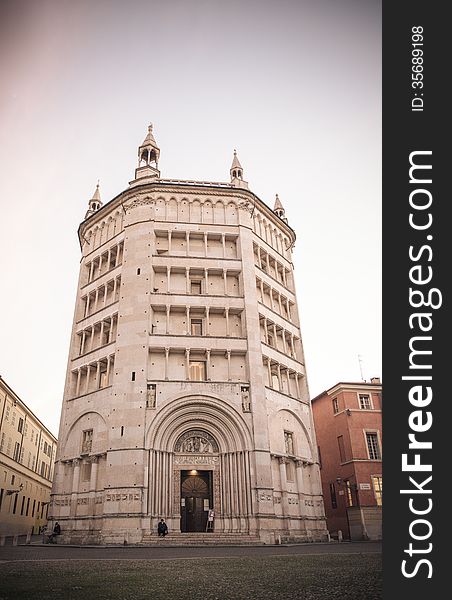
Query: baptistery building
{"type": "Point", "coordinates": [186, 395]}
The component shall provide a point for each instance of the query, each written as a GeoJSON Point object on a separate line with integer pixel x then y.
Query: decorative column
{"type": "Point", "coordinates": [187, 317]}
{"type": "Point", "coordinates": [187, 364]}
{"type": "Point", "coordinates": [226, 312]}
{"type": "Point", "coordinates": [169, 242]}
{"type": "Point", "coordinates": [97, 384]}
{"type": "Point", "coordinates": [105, 294]}
{"type": "Point", "coordinates": [208, 365]}
{"type": "Point", "coordinates": [77, 387]}
{"type": "Point", "coordinates": [187, 279]}
{"type": "Point", "coordinates": [167, 351]}
{"type": "Point", "coordinates": [93, 327]}
{"type": "Point", "coordinates": [272, 302]}
{"type": "Point", "coordinates": [259, 258]}
{"type": "Point", "coordinates": [88, 371]}
{"type": "Point", "coordinates": [206, 279]}
{"type": "Point", "coordinates": [278, 372]}
{"type": "Point", "coordinates": [262, 291]}
{"type": "Point", "coordinates": [223, 243]}
{"type": "Point", "coordinates": [107, 376]}
{"type": "Point", "coordinates": [284, 341]}
{"type": "Point", "coordinates": [92, 485]}
{"type": "Point", "coordinates": [228, 353]}
{"type": "Point", "coordinates": [87, 306]}
{"type": "Point", "coordinates": [282, 474]}
{"type": "Point", "coordinates": [269, 371]}
{"type": "Point", "coordinates": [207, 332]}
{"type": "Point", "coordinates": [205, 244]}
{"type": "Point", "coordinates": [187, 243]}
{"type": "Point", "coordinates": [225, 281]}
{"type": "Point", "coordinates": [168, 280]}
{"type": "Point", "coordinates": [167, 324]}
{"type": "Point", "coordinates": [297, 385]}
{"type": "Point", "coordinates": [292, 346]}
{"type": "Point", "coordinates": [265, 330]}
{"type": "Point", "coordinates": [75, 483]}
{"type": "Point", "coordinates": [82, 345]}
{"type": "Point", "coordinates": [91, 270]}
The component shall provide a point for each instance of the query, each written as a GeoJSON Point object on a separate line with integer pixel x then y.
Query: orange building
{"type": "Point", "coordinates": [347, 421]}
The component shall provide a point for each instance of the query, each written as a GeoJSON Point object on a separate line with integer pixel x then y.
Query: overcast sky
{"type": "Point", "coordinates": [295, 86]}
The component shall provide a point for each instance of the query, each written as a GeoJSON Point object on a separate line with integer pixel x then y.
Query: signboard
{"type": "Point", "coordinates": [364, 486]}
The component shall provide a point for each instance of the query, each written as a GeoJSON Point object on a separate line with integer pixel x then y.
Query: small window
{"type": "Point", "coordinates": [197, 370]}
{"type": "Point", "coordinates": [16, 451]}
{"type": "Point", "coordinates": [87, 441]}
{"type": "Point", "coordinates": [335, 406]}
{"type": "Point", "coordinates": [373, 446]}
{"type": "Point", "coordinates": [333, 496]}
{"type": "Point", "coordinates": [377, 483]}
{"type": "Point", "coordinates": [196, 326]}
{"type": "Point", "coordinates": [195, 286]}
{"type": "Point", "coordinates": [365, 402]}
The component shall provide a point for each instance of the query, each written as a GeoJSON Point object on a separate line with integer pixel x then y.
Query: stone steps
{"type": "Point", "coordinates": [201, 539]}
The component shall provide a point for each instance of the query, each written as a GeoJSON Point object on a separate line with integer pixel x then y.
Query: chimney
{"type": "Point", "coordinates": [375, 380]}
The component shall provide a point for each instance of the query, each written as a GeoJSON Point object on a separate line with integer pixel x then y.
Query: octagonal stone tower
{"type": "Point", "coordinates": [186, 386]}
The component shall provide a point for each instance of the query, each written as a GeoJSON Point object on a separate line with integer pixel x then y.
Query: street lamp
{"type": "Point", "coordinates": [19, 489]}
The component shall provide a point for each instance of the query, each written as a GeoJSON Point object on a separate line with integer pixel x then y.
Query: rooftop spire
{"type": "Point", "coordinates": [279, 209]}
{"type": "Point", "coordinates": [95, 203]}
{"type": "Point", "coordinates": [148, 157]}
{"type": "Point", "coordinates": [236, 172]}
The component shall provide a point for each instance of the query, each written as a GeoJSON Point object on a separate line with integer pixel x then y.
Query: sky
{"type": "Point", "coordinates": [294, 86]}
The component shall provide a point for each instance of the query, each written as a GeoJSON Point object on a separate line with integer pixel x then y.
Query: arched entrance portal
{"type": "Point", "coordinates": [196, 485]}
{"type": "Point", "coordinates": [203, 435]}
{"type": "Point", "coordinates": [196, 499]}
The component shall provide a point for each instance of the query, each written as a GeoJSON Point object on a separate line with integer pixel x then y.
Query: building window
{"type": "Point", "coordinates": [195, 286]}
{"type": "Point", "coordinates": [333, 496]}
{"type": "Point", "coordinates": [197, 370]}
{"type": "Point", "coordinates": [365, 402]}
{"type": "Point", "coordinates": [20, 425]}
{"type": "Point", "coordinates": [377, 483]}
{"type": "Point", "coordinates": [196, 326]}
{"type": "Point", "coordinates": [87, 441]}
{"type": "Point", "coordinates": [340, 443]}
{"type": "Point", "coordinates": [349, 493]}
{"type": "Point", "coordinates": [288, 443]}
{"type": "Point", "coordinates": [270, 339]}
{"type": "Point", "coordinates": [16, 451]}
{"type": "Point", "coordinates": [373, 446]}
{"type": "Point", "coordinates": [335, 406]}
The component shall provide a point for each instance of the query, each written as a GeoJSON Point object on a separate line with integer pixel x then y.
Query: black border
{"type": "Point", "coordinates": [405, 131]}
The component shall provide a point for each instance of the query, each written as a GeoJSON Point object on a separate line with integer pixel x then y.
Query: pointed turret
{"type": "Point", "coordinates": [236, 172]}
{"type": "Point", "coordinates": [95, 203]}
{"type": "Point", "coordinates": [279, 209]}
{"type": "Point", "coordinates": [148, 157]}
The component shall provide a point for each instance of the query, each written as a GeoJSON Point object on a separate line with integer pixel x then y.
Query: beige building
{"type": "Point", "coordinates": [27, 457]}
{"type": "Point", "coordinates": [186, 385]}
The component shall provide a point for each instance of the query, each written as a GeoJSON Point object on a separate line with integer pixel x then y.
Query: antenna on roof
{"type": "Point", "coordinates": [360, 361]}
